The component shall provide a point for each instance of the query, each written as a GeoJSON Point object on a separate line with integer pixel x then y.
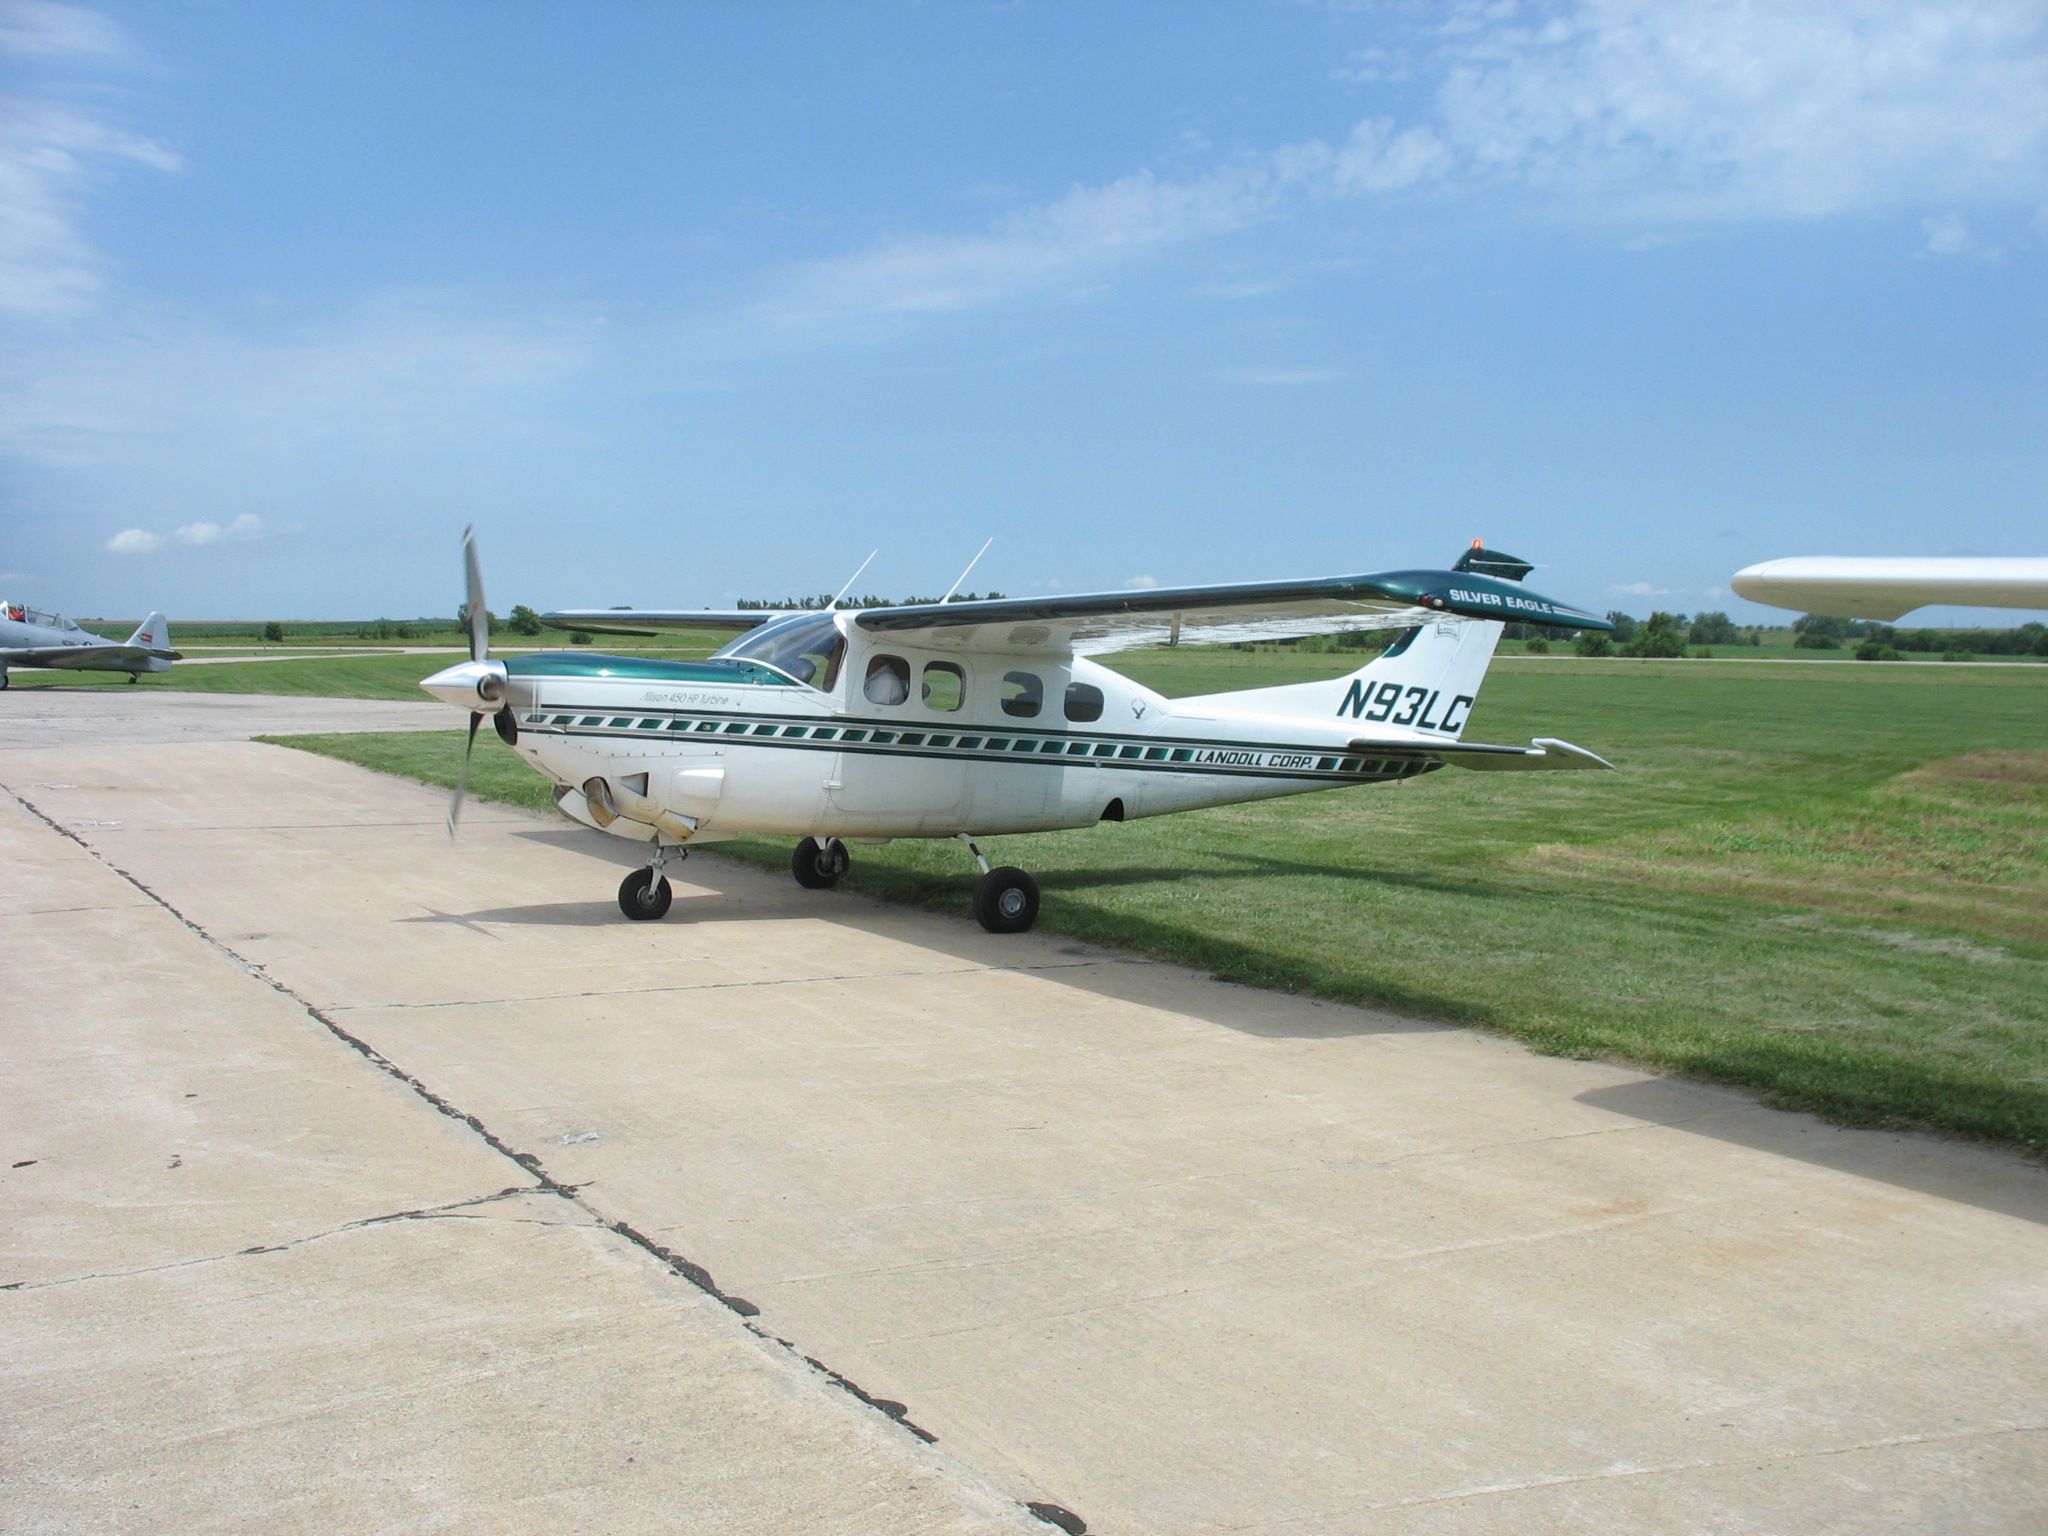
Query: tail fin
{"type": "Point", "coordinates": [1425, 681]}
{"type": "Point", "coordinates": [152, 634]}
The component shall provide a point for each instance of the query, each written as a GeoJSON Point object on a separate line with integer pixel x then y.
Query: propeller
{"type": "Point", "coordinates": [489, 687]}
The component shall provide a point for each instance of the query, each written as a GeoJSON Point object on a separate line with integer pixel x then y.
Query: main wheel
{"type": "Point", "coordinates": [1006, 901]}
{"type": "Point", "coordinates": [644, 895]}
{"type": "Point", "coordinates": [816, 868]}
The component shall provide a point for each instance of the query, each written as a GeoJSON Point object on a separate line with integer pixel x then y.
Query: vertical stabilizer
{"type": "Point", "coordinates": [1426, 680]}
{"type": "Point", "coordinates": [153, 633]}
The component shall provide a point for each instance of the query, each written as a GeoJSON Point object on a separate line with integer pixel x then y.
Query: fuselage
{"type": "Point", "coordinates": [812, 728]}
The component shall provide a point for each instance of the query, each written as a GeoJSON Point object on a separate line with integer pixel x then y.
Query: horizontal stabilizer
{"type": "Point", "coordinates": [1544, 753]}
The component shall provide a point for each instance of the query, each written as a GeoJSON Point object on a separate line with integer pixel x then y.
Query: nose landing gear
{"type": "Point", "coordinates": [645, 894]}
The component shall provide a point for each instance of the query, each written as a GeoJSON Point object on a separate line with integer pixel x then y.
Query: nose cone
{"type": "Point", "coordinates": [472, 685]}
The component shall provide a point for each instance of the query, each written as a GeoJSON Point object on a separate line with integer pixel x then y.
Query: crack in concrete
{"type": "Point", "coordinates": [362, 1223]}
{"type": "Point", "coordinates": [544, 1182]}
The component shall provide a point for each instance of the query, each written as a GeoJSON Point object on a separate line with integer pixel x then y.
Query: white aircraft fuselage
{"type": "Point", "coordinates": [982, 718]}
{"type": "Point", "coordinates": [734, 749]}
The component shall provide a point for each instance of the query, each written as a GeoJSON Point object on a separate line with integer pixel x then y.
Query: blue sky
{"type": "Point", "coordinates": [683, 303]}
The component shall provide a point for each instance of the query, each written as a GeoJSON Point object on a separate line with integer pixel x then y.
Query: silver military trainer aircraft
{"type": "Point", "coordinates": [31, 638]}
{"type": "Point", "coordinates": [972, 719]}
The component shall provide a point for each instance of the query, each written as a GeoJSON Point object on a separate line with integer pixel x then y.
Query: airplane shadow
{"type": "Point", "coordinates": [1989, 1178]}
{"type": "Point", "coordinates": [915, 912]}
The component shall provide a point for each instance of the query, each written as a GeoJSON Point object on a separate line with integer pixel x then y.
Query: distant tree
{"type": "Point", "coordinates": [462, 617]}
{"type": "Point", "coordinates": [524, 620]}
{"type": "Point", "coordinates": [273, 631]}
{"type": "Point", "coordinates": [1661, 634]}
{"type": "Point", "coordinates": [1536, 645]}
{"type": "Point", "coordinates": [1822, 624]}
{"type": "Point", "coordinates": [1877, 650]}
{"type": "Point", "coordinates": [1624, 626]}
{"type": "Point", "coordinates": [1811, 640]}
{"type": "Point", "coordinates": [1593, 643]}
{"type": "Point", "coordinates": [1714, 629]}
{"type": "Point", "coordinates": [580, 637]}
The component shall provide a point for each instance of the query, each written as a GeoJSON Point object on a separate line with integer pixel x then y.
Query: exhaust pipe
{"type": "Point", "coordinates": [608, 802]}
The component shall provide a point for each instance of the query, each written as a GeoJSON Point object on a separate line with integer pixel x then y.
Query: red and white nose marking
{"type": "Point", "coordinates": [472, 685]}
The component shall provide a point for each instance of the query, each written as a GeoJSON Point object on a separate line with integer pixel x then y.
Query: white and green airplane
{"type": "Point", "coordinates": [972, 719]}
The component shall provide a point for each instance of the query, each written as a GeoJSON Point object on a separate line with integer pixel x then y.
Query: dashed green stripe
{"type": "Point", "coordinates": [1004, 748]}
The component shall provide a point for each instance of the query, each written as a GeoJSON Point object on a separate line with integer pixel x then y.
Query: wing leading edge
{"type": "Point", "coordinates": [1094, 623]}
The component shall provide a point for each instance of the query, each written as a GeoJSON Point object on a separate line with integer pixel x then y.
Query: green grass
{"type": "Point", "coordinates": [1828, 884]}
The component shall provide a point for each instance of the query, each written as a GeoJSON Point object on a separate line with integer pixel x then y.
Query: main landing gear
{"type": "Point", "coordinates": [1006, 901]}
{"type": "Point", "coordinates": [818, 866]}
{"type": "Point", "coordinates": [645, 894]}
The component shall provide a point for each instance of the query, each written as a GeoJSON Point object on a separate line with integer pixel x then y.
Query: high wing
{"type": "Point", "coordinates": [1100, 622]}
{"type": "Point", "coordinates": [655, 621]}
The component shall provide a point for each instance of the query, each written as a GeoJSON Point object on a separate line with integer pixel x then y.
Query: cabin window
{"type": "Point", "coordinates": [888, 680]}
{"type": "Point", "coordinates": [945, 686]}
{"type": "Point", "coordinates": [1084, 701]}
{"type": "Point", "coordinates": [1023, 694]}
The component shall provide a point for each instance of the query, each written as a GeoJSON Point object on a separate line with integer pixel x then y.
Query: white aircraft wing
{"type": "Point", "coordinates": [656, 621]}
{"type": "Point", "coordinates": [1857, 588]}
{"type": "Point", "coordinates": [1094, 623]}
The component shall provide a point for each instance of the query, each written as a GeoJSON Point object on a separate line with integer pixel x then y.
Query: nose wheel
{"type": "Point", "coordinates": [645, 894]}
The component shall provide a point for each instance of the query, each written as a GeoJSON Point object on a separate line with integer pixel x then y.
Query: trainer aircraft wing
{"type": "Point", "coordinates": [1095, 623]}
{"type": "Point", "coordinates": [88, 658]}
{"type": "Point", "coordinates": [657, 621]}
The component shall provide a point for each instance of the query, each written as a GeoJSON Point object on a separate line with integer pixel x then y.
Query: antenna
{"type": "Point", "coordinates": [851, 580]}
{"type": "Point", "coordinates": [970, 567]}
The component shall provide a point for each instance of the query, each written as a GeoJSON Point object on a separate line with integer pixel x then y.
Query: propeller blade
{"type": "Point", "coordinates": [479, 615]}
{"type": "Point", "coordinates": [508, 726]}
{"type": "Point", "coordinates": [462, 779]}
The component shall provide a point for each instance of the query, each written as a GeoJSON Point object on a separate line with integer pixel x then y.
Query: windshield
{"type": "Point", "coordinates": [805, 646]}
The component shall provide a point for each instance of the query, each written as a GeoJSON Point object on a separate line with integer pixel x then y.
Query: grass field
{"type": "Point", "coordinates": [1827, 883]}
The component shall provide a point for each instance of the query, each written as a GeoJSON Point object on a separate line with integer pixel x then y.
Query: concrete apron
{"type": "Point", "coordinates": [1173, 1255]}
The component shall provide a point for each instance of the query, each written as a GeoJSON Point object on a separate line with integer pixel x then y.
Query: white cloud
{"type": "Point", "coordinates": [1638, 589]}
{"type": "Point", "coordinates": [1639, 110]}
{"type": "Point", "coordinates": [135, 541]}
{"type": "Point", "coordinates": [1637, 115]}
{"type": "Point", "coordinates": [50, 156]}
{"type": "Point", "coordinates": [43, 29]}
{"type": "Point", "coordinates": [1140, 583]}
{"type": "Point", "coordinates": [246, 526]}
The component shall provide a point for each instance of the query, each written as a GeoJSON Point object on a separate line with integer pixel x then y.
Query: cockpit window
{"type": "Point", "coordinates": [805, 646]}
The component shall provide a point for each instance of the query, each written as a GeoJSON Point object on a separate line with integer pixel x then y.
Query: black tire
{"type": "Point", "coordinates": [814, 868]}
{"type": "Point", "coordinates": [644, 895]}
{"type": "Point", "coordinates": [1006, 901]}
